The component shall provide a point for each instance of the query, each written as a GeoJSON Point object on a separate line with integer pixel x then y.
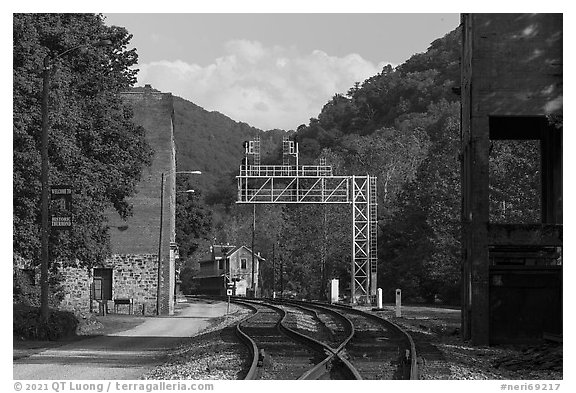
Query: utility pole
{"type": "Point", "coordinates": [273, 270]}
{"type": "Point", "coordinates": [160, 231]}
{"type": "Point", "coordinates": [323, 252]}
{"type": "Point", "coordinates": [281, 277]}
{"type": "Point", "coordinates": [44, 287]}
{"type": "Point", "coordinates": [253, 235]}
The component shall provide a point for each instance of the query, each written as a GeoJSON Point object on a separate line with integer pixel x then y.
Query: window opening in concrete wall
{"type": "Point", "coordinates": [515, 181]}
{"type": "Point", "coordinates": [243, 262]}
{"type": "Point", "coordinates": [517, 147]}
{"type": "Point", "coordinates": [525, 256]}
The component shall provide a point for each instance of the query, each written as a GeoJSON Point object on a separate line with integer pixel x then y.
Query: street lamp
{"type": "Point", "coordinates": [164, 176]}
{"type": "Point", "coordinates": [45, 196]}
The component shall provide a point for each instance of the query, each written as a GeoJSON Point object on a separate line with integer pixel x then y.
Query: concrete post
{"type": "Point", "coordinates": [398, 303]}
{"type": "Point", "coordinates": [334, 290]}
{"type": "Point", "coordinates": [379, 298]}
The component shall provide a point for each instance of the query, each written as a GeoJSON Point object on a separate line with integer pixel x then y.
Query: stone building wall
{"type": "Point", "coordinates": [76, 285]}
{"type": "Point", "coordinates": [134, 276]}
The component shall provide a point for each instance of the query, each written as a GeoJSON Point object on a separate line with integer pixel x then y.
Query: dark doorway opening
{"type": "Point", "coordinates": [102, 286]}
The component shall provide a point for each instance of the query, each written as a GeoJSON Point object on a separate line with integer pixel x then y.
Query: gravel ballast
{"type": "Point", "coordinates": [443, 355]}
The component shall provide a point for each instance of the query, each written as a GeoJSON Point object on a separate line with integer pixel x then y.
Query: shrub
{"type": "Point", "coordinates": [28, 324]}
{"type": "Point", "coordinates": [26, 287]}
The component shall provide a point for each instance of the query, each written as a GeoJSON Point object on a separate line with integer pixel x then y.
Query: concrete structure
{"type": "Point", "coordinates": [131, 273]}
{"type": "Point", "coordinates": [138, 238]}
{"type": "Point", "coordinates": [511, 85]}
{"type": "Point", "coordinates": [229, 264]}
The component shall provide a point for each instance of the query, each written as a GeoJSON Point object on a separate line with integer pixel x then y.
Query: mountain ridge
{"type": "Point", "coordinates": [211, 142]}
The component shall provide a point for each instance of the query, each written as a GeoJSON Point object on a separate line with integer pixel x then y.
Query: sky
{"type": "Point", "coordinates": [274, 70]}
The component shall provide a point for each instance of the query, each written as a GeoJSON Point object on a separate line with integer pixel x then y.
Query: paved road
{"type": "Point", "coordinates": [125, 355]}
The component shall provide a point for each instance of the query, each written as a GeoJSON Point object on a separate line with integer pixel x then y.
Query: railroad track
{"type": "Point", "coordinates": [279, 353]}
{"type": "Point", "coordinates": [357, 345]}
{"type": "Point", "coordinates": [309, 340]}
{"type": "Point", "coordinates": [323, 325]}
{"type": "Point", "coordinates": [379, 349]}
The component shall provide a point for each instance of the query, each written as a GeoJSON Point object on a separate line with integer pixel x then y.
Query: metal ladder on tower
{"type": "Point", "coordinates": [256, 149]}
{"type": "Point", "coordinates": [373, 234]}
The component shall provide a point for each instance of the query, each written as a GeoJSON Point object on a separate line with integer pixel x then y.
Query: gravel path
{"type": "Point", "coordinates": [125, 355]}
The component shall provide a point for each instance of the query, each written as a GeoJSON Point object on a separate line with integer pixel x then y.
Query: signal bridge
{"type": "Point", "coordinates": [294, 183]}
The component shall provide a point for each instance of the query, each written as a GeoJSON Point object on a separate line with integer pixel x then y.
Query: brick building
{"type": "Point", "coordinates": [131, 273]}
{"type": "Point", "coordinates": [511, 90]}
{"type": "Point", "coordinates": [229, 261]}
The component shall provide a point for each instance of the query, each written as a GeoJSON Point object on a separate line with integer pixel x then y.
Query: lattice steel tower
{"type": "Point", "coordinates": [294, 183]}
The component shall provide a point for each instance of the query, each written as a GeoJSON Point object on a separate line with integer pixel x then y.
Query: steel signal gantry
{"type": "Point", "coordinates": [293, 183]}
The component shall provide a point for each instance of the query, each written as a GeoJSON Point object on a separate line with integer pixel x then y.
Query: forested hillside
{"type": "Point", "coordinates": [212, 142]}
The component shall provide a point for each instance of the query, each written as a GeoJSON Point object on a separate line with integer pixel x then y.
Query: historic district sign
{"type": "Point", "coordinates": [61, 207]}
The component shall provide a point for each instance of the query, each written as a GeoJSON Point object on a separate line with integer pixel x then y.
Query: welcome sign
{"type": "Point", "coordinates": [61, 207]}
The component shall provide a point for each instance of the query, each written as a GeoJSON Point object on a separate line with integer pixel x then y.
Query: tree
{"type": "Point", "coordinates": [193, 218]}
{"type": "Point", "coordinates": [515, 181]}
{"type": "Point", "coordinates": [94, 145]}
{"type": "Point", "coordinates": [391, 155]}
{"type": "Point", "coordinates": [421, 242]}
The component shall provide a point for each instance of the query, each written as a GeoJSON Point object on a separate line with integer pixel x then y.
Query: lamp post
{"type": "Point", "coordinates": [164, 176]}
{"type": "Point", "coordinates": [45, 194]}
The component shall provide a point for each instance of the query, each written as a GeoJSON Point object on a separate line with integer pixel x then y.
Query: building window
{"type": "Point", "coordinates": [243, 262]}
{"type": "Point", "coordinates": [221, 264]}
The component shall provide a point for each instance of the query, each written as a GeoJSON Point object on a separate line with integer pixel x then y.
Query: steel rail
{"type": "Point", "coordinates": [292, 334]}
{"type": "Point", "coordinates": [334, 354]}
{"type": "Point", "coordinates": [349, 323]}
{"type": "Point", "coordinates": [244, 338]}
{"type": "Point", "coordinates": [337, 351]}
{"type": "Point", "coordinates": [412, 356]}
{"type": "Point", "coordinates": [332, 357]}
{"type": "Point", "coordinates": [322, 368]}
{"type": "Point", "coordinates": [251, 344]}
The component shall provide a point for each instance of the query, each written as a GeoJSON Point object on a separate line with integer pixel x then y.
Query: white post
{"type": "Point", "coordinates": [379, 298]}
{"type": "Point", "coordinates": [334, 291]}
{"type": "Point", "coordinates": [398, 303]}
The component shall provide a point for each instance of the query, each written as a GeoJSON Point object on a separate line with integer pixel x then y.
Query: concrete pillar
{"type": "Point", "coordinates": [478, 258]}
{"type": "Point", "coordinates": [334, 284]}
{"type": "Point", "coordinates": [551, 162]}
{"type": "Point", "coordinates": [398, 303]}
